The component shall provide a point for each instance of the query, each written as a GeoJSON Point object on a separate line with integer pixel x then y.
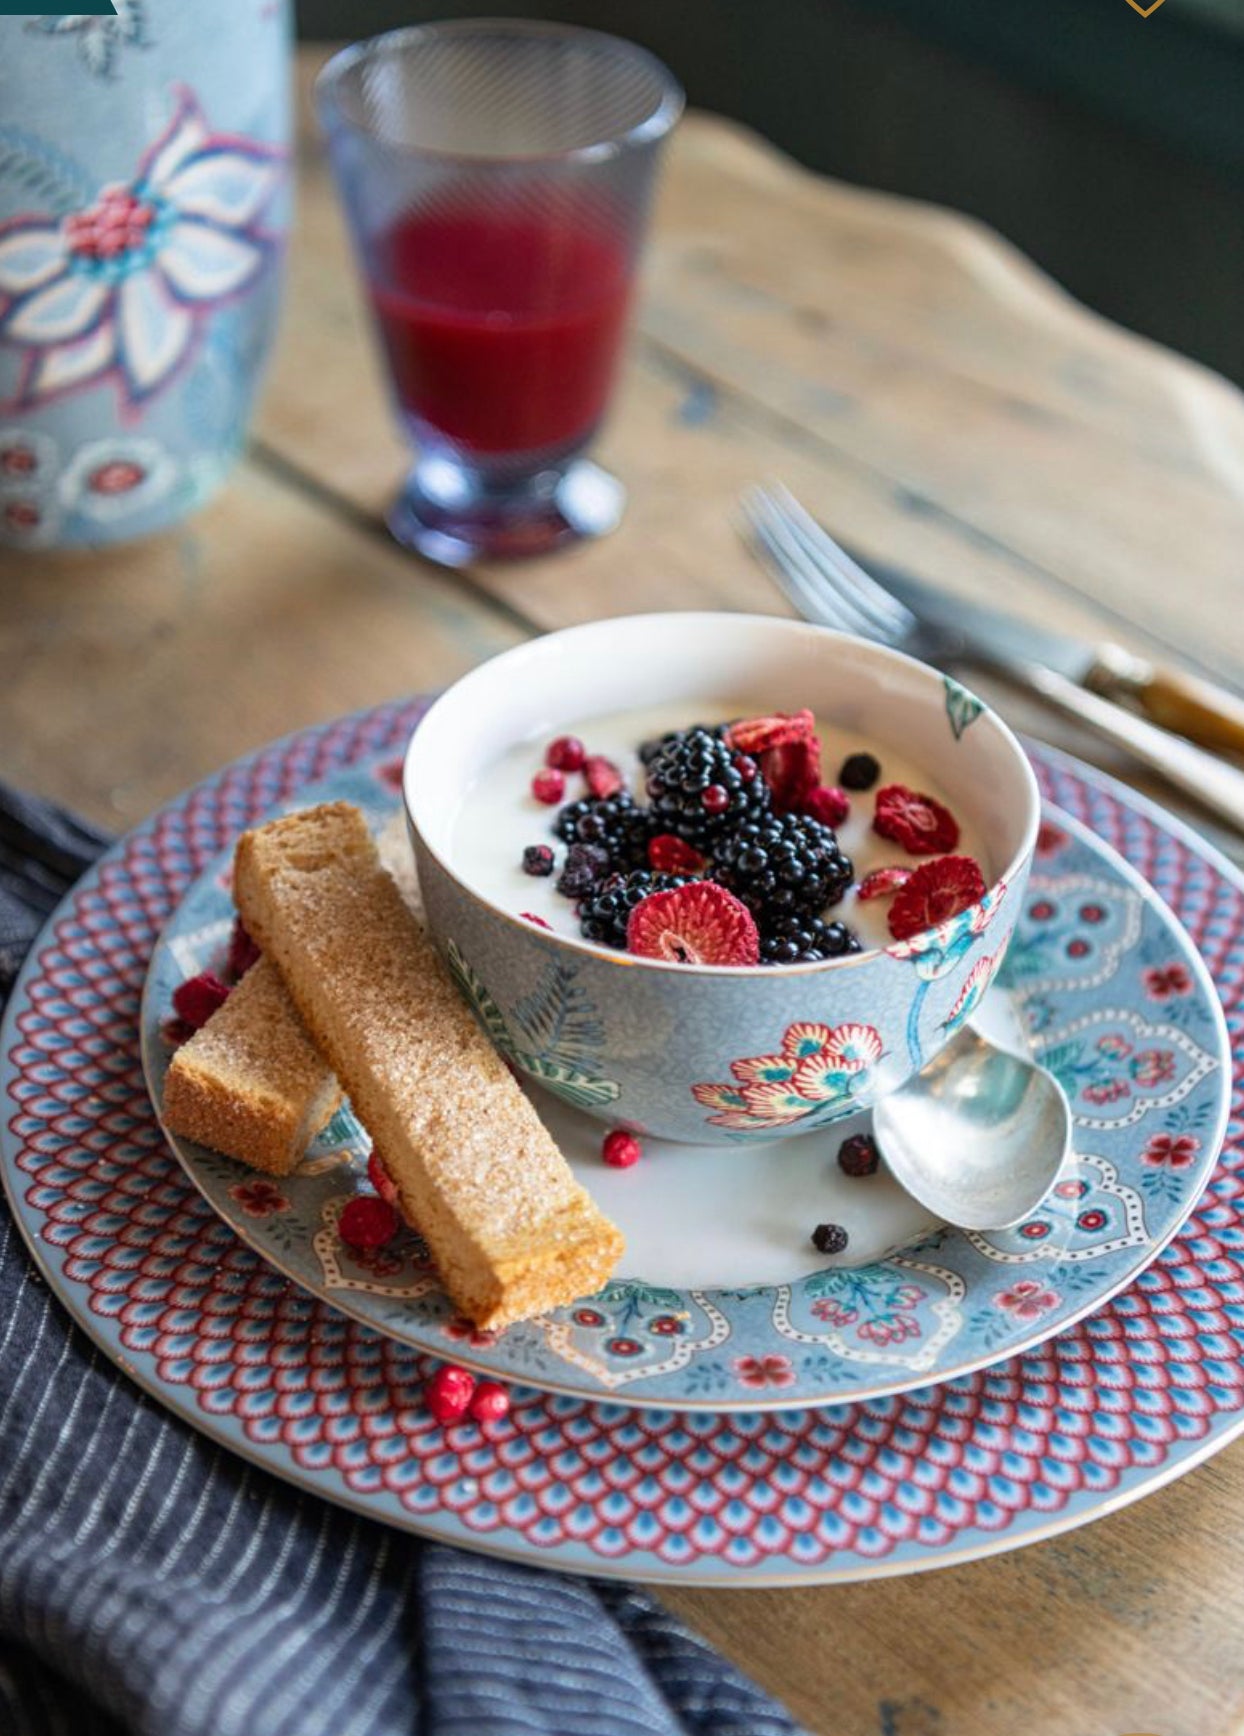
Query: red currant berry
{"type": "Point", "coordinates": [448, 1394]}
{"type": "Point", "coordinates": [621, 1149]}
{"type": "Point", "coordinates": [566, 754]}
{"type": "Point", "coordinates": [491, 1402]}
{"type": "Point", "coordinates": [195, 1000]}
{"type": "Point", "coordinates": [548, 787]}
{"type": "Point", "coordinates": [367, 1222]}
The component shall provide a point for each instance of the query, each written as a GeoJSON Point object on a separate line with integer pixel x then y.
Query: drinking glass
{"type": "Point", "coordinates": [497, 177]}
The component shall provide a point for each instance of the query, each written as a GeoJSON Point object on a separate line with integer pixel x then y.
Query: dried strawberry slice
{"type": "Point", "coordinates": [195, 1000]}
{"type": "Point", "coordinates": [786, 747]}
{"type": "Point", "coordinates": [603, 777]}
{"type": "Point", "coordinates": [697, 924]}
{"type": "Point", "coordinates": [670, 855]}
{"type": "Point", "coordinates": [792, 771]}
{"type": "Point", "coordinates": [381, 1180]}
{"type": "Point", "coordinates": [936, 892]}
{"type": "Point", "coordinates": [756, 735]}
{"type": "Point", "coordinates": [884, 882]}
{"type": "Point", "coordinates": [922, 826]}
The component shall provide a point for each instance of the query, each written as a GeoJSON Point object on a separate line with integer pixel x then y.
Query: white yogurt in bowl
{"type": "Point", "coordinates": [497, 816]}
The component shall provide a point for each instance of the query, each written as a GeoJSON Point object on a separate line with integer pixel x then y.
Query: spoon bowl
{"type": "Point", "coordinates": [979, 1136]}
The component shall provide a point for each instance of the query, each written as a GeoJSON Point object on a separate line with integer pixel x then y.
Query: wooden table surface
{"type": "Point", "coordinates": [940, 404]}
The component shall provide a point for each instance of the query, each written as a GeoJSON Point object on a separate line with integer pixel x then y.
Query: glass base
{"type": "Point", "coordinates": [454, 515]}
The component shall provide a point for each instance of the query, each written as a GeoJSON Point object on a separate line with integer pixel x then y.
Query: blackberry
{"type": "Point", "coordinates": [782, 866]}
{"type": "Point", "coordinates": [649, 750]}
{"type": "Point", "coordinates": [700, 788]}
{"type": "Point", "coordinates": [860, 771]}
{"type": "Point", "coordinates": [615, 823]}
{"type": "Point", "coordinates": [829, 1238]}
{"type": "Point", "coordinates": [603, 917]}
{"type": "Point", "coordinates": [806, 940]}
{"type": "Point", "coordinates": [538, 860]}
{"type": "Point", "coordinates": [586, 865]}
{"type": "Point", "coordinates": [859, 1155]}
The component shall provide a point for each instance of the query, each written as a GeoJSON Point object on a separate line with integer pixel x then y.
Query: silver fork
{"type": "Point", "coordinates": [825, 585]}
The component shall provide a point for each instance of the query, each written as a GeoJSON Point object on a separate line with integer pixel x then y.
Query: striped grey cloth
{"type": "Point", "coordinates": [151, 1583]}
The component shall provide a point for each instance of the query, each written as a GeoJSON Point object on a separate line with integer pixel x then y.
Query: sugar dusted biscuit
{"type": "Point", "coordinates": [250, 1082]}
{"type": "Point", "coordinates": [510, 1229]}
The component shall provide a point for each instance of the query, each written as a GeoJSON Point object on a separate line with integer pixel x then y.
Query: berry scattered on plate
{"type": "Point", "coordinates": [195, 1000]}
{"type": "Point", "coordinates": [367, 1222]}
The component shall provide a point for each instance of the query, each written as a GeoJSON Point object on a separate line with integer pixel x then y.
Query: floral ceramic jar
{"type": "Point", "coordinates": [143, 204]}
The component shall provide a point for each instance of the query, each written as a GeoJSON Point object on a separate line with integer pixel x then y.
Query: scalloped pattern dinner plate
{"type": "Point", "coordinates": [720, 1302]}
{"type": "Point", "coordinates": [1109, 1407]}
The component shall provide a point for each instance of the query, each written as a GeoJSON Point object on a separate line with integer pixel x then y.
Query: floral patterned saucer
{"type": "Point", "coordinates": [722, 1304]}
{"type": "Point", "coordinates": [1110, 1408]}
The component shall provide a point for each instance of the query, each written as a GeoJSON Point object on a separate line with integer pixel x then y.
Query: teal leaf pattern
{"type": "Point", "coordinates": [40, 175]}
{"type": "Point", "coordinates": [962, 708]}
{"type": "Point", "coordinates": [560, 1031]}
{"type": "Point", "coordinates": [481, 1003]}
{"type": "Point", "coordinates": [558, 1018]}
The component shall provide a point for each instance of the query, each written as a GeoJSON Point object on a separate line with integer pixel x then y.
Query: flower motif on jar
{"type": "Point", "coordinates": [121, 288]}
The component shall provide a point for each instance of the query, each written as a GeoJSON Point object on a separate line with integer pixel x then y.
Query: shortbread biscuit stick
{"type": "Point", "coordinates": [254, 1086]}
{"type": "Point", "coordinates": [510, 1229]}
{"type": "Point", "coordinates": [251, 1083]}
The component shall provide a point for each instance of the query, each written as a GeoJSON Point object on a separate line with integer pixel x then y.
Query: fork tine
{"type": "Point", "coordinates": [804, 588]}
{"type": "Point", "coordinates": [819, 598]}
{"type": "Point", "coordinates": [792, 585]}
{"type": "Point", "coordinates": [798, 576]}
{"type": "Point", "coordinates": [808, 599]}
{"type": "Point", "coordinates": [893, 618]}
{"type": "Point", "coordinates": [836, 604]}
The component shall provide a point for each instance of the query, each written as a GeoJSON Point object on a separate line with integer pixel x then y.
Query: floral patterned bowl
{"type": "Point", "coordinates": [687, 1051]}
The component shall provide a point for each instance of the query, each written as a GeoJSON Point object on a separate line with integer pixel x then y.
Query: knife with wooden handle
{"type": "Point", "coordinates": [972, 632]}
{"type": "Point", "coordinates": [1214, 783]}
{"type": "Point", "coordinates": [1189, 705]}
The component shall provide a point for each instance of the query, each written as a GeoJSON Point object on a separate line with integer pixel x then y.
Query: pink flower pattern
{"type": "Point", "coordinates": [761, 1371]}
{"type": "Point", "coordinates": [892, 1330]}
{"type": "Point", "coordinates": [1108, 1091]}
{"type": "Point", "coordinates": [380, 1262]}
{"type": "Point", "coordinates": [121, 288]}
{"type": "Point", "coordinates": [467, 1332]}
{"type": "Point", "coordinates": [1171, 1150]}
{"type": "Point", "coordinates": [817, 1065]}
{"type": "Point", "coordinates": [259, 1199]}
{"type": "Point", "coordinates": [1164, 981]}
{"type": "Point", "coordinates": [1028, 1299]}
{"type": "Point", "coordinates": [1153, 1067]}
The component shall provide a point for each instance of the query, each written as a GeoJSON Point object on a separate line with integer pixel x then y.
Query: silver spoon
{"type": "Point", "coordinates": [979, 1136]}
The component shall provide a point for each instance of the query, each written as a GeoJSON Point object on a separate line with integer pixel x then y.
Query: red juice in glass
{"type": "Point", "coordinates": [502, 330]}
{"type": "Point", "coordinates": [497, 175]}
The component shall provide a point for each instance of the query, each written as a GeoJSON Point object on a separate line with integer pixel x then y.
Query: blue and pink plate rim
{"type": "Point", "coordinates": [1108, 986]}
{"type": "Point", "coordinates": [1102, 1412]}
